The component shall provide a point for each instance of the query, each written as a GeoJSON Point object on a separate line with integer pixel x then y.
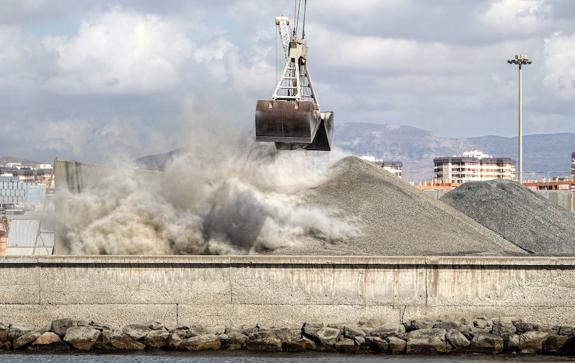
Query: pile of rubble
{"type": "Point", "coordinates": [480, 335]}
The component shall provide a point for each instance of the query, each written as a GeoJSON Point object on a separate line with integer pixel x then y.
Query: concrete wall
{"type": "Point", "coordinates": [283, 291]}
{"type": "Point", "coordinates": [563, 198]}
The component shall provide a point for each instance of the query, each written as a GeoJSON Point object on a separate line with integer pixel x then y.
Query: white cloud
{"type": "Point", "coordinates": [516, 16]}
{"type": "Point", "coordinates": [560, 64]}
{"type": "Point", "coordinates": [120, 52]}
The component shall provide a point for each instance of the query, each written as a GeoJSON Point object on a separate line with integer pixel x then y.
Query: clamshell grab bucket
{"type": "Point", "coordinates": [294, 125]}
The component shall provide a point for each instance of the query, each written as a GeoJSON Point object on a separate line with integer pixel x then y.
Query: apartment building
{"type": "Point", "coordinates": [394, 167]}
{"type": "Point", "coordinates": [472, 167]}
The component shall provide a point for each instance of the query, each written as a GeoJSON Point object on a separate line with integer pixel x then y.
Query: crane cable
{"type": "Point", "coordinates": [297, 16]}
{"type": "Point", "coordinates": [304, 13]}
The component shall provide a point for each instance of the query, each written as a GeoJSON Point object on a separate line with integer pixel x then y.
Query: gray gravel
{"type": "Point", "coordinates": [518, 214]}
{"type": "Point", "coordinates": [396, 218]}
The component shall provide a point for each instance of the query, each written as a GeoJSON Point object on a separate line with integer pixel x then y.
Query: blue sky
{"type": "Point", "coordinates": [95, 79]}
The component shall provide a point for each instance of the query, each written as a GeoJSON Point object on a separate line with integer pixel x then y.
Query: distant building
{"type": "Point", "coordinates": [472, 166]}
{"type": "Point", "coordinates": [573, 164]}
{"type": "Point", "coordinates": [394, 167]}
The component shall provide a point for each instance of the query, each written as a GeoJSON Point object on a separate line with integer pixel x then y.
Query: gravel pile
{"type": "Point", "coordinates": [395, 218]}
{"type": "Point", "coordinates": [518, 214]}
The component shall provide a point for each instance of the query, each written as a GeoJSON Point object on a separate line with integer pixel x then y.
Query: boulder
{"type": "Point", "coordinates": [136, 331]}
{"type": "Point", "coordinates": [566, 330]}
{"type": "Point", "coordinates": [310, 329]}
{"type": "Point", "coordinates": [419, 324]}
{"type": "Point", "coordinates": [60, 326]}
{"type": "Point", "coordinates": [346, 345]}
{"type": "Point", "coordinates": [457, 339]}
{"type": "Point", "coordinates": [378, 344]}
{"type": "Point", "coordinates": [48, 342]}
{"type": "Point", "coordinates": [555, 343]}
{"type": "Point", "coordinates": [511, 343]}
{"type": "Point", "coordinates": [155, 325]}
{"type": "Point", "coordinates": [157, 339]}
{"type": "Point", "coordinates": [27, 338]}
{"type": "Point", "coordinates": [447, 325]}
{"type": "Point", "coordinates": [523, 327]}
{"type": "Point", "coordinates": [201, 342]}
{"type": "Point", "coordinates": [299, 345]}
{"type": "Point", "coordinates": [233, 340]}
{"type": "Point", "coordinates": [427, 341]}
{"type": "Point", "coordinates": [265, 344]}
{"type": "Point", "coordinates": [486, 343]}
{"type": "Point", "coordinates": [480, 323]}
{"type": "Point", "coordinates": [103, 343]}
{"type": "Point", "coordinates": [532, 342]}
{"type": "Point", "coordinates": [175, 340]}
{"type": "Point", "coordinates": [503, 327]}
{"type": "Point", "coordinates": [396, 345]}
{"type": "Point", "coordinates": [16, 331]}
{"type": "Point", "coordinates": [388, 330]}
{"type": "Point", "coordinates": [82, 338]}
{"type": "Point", "coordinates": [125, 342]}
{"type": "Point", "coordinates": [5, 343]}
{"type": "Point", "coordinates": [327, 336]}
{"type": "Point", "coordinates": [352, 332]}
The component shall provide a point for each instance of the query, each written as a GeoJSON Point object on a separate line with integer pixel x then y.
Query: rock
{"type": "Point", "coordinates": [82, 338]}
{"type": "Point", "coordinates": [486, 343]}
{"type": "Point", "coordinates": [201, 342]}
{"type": "Point", "coordinates": [103, 343]}
{"type": "Point", "coordinates": [157, 339]}
{"type": "Point", "coordinates": [511, 343]}
{"type": "Point", "coordinates": [396, 345]}
{"type": "Point", "coordinates": [532, 342]}
{"type": "Point", "coordinates": [363, 345]}
{"type": "Point", "coordinates": [522, 327]}
{"type": "Point", "coordinates": [468, 330]}
{"type": "Point", "coordinates": [299, 345]}
{"type": "Point", "coordinates": [175, 340]}
{"type": "Point", "coordinates": [100, 327]}
{"type": "Point", "coordinates": [389, 329]}
{"type": "Point", "coordinates": [447, 325]}
{"type": "Point", "coordinates": [457, 339]}
{"type": "Point", "coordinates": [48, 342]}
{"type": "Point", "coordinates": [60, 326]}
{"type": "Point", "coordinates": [503, 327]}
{"type": "Point", "coordinates": [125, 342]}
{"type": "Point", "coordinates": [420, 324]}
{"type": "Point", "coordinates": [352, 332]}
{"type": "Point", "coordinates": [427, 341]}
{"type": "Point", "coordinates": [566, 330]}
{"type": "Point", "coordinates": [555, 343]}
{"type": "Point", "coordinates": [480, 323]}
{"type": "Point", "coordinates": [346, 345]}
{"type": "Point", "coordinates": [233, 340]}
{"type": "Point", "coordinates": [136, 331]}
{"type": "Point", "coordinates": [27, 338]}
{"type": "Point", "coordinates": [310, 329]}
{"type": "Point", "coordinates": [327, 336]}
{"type": "Point", "coordinates": [5, 343]}
{"type": "Point", "coordinates": [266, 344]}
{"type": "Point", "coordinates": [16, 331]}
{"type": "Point", "coordinates": [155, 325]}
{"type": "Point", "coordinates": [378, 344]}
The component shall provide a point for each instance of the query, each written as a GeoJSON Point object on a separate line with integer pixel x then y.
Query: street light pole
{"type": "Point", "coordinates": [520, 60]}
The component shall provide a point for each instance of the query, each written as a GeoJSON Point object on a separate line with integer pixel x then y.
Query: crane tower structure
{"type": "Point", "coordinates": [292, 118]}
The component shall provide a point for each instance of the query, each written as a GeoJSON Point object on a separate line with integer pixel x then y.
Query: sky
{"type": "Point", "coordinates": [94, 79]}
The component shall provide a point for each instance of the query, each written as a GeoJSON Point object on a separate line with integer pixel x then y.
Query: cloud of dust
{"type": "Point", "coordinates": [223, 195]}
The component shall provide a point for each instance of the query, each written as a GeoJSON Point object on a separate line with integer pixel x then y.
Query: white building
{"type": "Point", "coordinates": [573, 164]}
{"type": "Point", "coordinates": [472, 166]}
{"type": "Point", "coordinates": [394, 167]}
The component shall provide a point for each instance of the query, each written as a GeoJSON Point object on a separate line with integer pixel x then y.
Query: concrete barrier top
{"type": "Point", "coordinates": [287, 261]}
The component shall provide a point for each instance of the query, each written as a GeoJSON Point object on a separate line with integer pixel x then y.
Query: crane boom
{"type": "Point", "coordinates": [282, 23]}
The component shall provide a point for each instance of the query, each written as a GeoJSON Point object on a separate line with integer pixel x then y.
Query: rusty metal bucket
{"type": "Point", "coordinates": [294, 125]}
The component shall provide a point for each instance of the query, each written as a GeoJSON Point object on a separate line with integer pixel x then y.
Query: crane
{"type": "Point", "coordinates": [292, 118]}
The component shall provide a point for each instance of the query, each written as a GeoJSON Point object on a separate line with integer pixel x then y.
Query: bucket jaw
{"type": "Point", "coordinates": [294, 125]}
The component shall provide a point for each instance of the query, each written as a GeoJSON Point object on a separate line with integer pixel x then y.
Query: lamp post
{"type": "Point", "coordinates": [520, 60]}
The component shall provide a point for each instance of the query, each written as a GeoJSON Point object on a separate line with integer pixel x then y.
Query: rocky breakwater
{"type": "Point", "coordinates": [423, 337]}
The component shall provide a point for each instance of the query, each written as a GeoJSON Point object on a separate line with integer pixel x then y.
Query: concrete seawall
{"type": "Point", "coordinates": [284, 291]}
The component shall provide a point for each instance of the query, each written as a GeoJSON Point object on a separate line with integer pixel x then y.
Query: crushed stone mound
{"type": "Point", "coordinates": [518, 214]}
{"type": "Point", "coordinates": [395, 218]}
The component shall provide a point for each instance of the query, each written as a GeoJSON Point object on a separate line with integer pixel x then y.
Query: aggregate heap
{"type": "Point", "coordinates": [518, 214]}
{"type": "Point", "coordinates": [395, 218]}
